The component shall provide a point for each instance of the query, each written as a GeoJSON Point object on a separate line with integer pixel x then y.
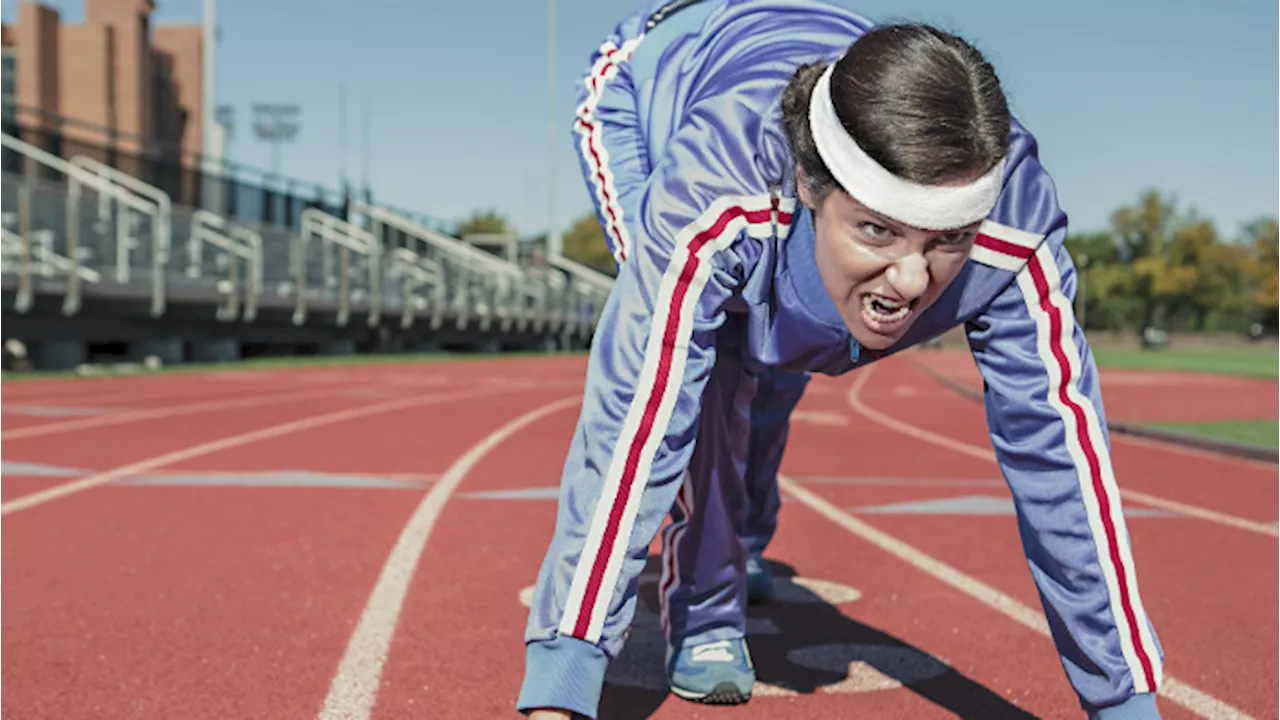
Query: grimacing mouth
{"type": "Point", "coordinates": [886, 309]}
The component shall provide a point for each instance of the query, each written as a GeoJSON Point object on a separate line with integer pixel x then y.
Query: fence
{"type": "Point", "coordinates": [236, 191]}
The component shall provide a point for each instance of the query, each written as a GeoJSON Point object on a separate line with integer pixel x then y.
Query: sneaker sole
{"type": "Point", "coordinates": [726, 693]}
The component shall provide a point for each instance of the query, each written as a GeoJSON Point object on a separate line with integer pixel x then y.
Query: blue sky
{"type": "Point", "coordinates": [1123, 96]}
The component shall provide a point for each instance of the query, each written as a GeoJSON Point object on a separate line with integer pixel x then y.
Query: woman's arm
{"type": "Point", "coordinates": [1048, 428]}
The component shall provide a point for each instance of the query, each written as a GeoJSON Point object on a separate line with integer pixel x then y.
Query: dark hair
{"type": "Point", "coordinates": [924, 104]}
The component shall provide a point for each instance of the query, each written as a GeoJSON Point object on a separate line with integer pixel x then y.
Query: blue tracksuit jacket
{"type": "Point", "coordinates": [702, 207]}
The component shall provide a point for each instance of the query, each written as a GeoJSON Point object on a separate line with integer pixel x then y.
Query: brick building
{"type": "Point", "coordinates": [122, 90]}
{"type": "Point", "coordinates": [114, 82]}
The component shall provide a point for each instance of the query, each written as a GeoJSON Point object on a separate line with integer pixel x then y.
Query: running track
{"type": "Point", "coordinates": [354, 543]}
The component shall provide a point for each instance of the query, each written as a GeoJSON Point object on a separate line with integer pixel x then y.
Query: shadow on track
{"type": "Point", "coordinates": [801, 644]}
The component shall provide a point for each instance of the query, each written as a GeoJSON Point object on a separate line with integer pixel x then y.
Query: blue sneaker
{"type": "Point", "coordinates": [716, 673]}
{"type": "Point", "coordinates": [759, 581]}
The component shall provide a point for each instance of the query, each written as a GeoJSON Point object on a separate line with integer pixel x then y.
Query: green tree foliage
{"type": "Point", "coordinates": [584, 242]}
{"type": "Point", "coordinates": [484, 222]}
{"type": "Point", "coordinates": [1145, 234]}
{"type": "Point", "coordinates": [1263, 267]}
{"type": "Point", "coordinates": [1108, 287]}
{"type": "Point", "coordinates": [1160, 267]}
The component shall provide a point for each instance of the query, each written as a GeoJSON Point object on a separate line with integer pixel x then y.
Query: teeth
{"type": "Point", "coordinates": [883, 309]}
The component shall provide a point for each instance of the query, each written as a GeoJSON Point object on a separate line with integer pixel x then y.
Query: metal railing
{"type": "Point", "coordinates": [414, 272]}
{"type": "Point", "coordinates": [249, 194]}
{"type": "Point", "coordinates": [161, 228]}
{"type": "Point", "coordinates": [43, 259]}
{"type": "Point", "coordinates": [478, 284]}
{"type": "Point", "coordinates": [129, 209]}
{"type": "Point", "coordinates": [164, 225]}
{"type": "Point", "coordinates": [346, 239]}
{"type": "Point", "coordinates": [240, 244]}
{"type": "Point", "coordinates": [373, 260]}
{"type": "Point", "coordinates": [591, 287]}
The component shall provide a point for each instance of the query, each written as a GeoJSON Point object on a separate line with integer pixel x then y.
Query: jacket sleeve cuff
{"type": "Point", "coordinates": [563, 673]}
{"type": "Point", "coordinates": [1137, 707]}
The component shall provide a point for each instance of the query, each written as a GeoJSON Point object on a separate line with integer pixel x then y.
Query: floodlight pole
{"type": "Point", "coordinates": [275, 124]}
{"type": "Point", "coordinates": [553, 233]}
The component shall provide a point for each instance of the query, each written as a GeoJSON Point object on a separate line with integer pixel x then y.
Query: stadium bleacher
{"type": "Point", "coordinates": [100, 264]}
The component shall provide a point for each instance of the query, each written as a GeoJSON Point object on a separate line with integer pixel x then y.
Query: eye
{"type": "Point", "coordinates": [952, 240]}
{"type": "Point", "coordinates": [873, 231]}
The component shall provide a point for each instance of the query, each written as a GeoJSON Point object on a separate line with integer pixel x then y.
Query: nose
{"type": "Point", "coordinates": [909, 276]}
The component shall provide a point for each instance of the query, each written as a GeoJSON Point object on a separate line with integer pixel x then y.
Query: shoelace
{"type": "Point", "coordinates": [719, 651]}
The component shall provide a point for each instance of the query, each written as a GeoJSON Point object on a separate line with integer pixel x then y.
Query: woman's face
{"type": "Point", "coordinates": [881, 273]}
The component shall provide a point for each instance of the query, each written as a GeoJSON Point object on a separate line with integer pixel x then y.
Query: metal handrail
{"type": "Point", "coordinates": [415, 271]}
{"type": "Point", "coordinates": [237, 240]}
{"type": "Point", "coordinates": [350, 238]}
{"type": "Point", "coordinates": [80, 176]}
{"type": "Point", "coordinates": [594, 285]}
{"type": "Point", "coordinates": [481, 284]}
{"type": "Point", "coordinates": [49, 259]}
{"type": "Point", "coordinates": [46, 256]}
{"type": "Point", "coordinates": [431, 237]}
{"type": "Point", "coordinates": [582, 272]}
{"type": "Point", "coordinates": [164, 212]}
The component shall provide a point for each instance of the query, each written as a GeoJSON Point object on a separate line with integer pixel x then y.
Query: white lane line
{"type": "Point", "coordinates": [1178, 692]}
{"type": "Point", "coordinates": [355, 686]}
{"type": "Point", "coordinates": [979, 590]}
{"type": "Point", "coordinates": [53, 493]}
{"type": "Point", "coordinates": [1196, 511]}
{"type": "Point", "coordinates": [1213, 516]}
{"type": "Point", "coordinates": [155, 413]}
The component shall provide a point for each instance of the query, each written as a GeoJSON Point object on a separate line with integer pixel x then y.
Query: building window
{"type": "Point", "coordinates": [9, 83]}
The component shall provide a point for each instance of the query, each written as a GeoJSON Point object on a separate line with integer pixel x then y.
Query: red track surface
{"type": "Point", "coordinates": [1146, 396]}
{"type": "Point", "coordinates": [176, 601]}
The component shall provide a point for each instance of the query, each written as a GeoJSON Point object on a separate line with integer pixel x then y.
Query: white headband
{"type": "Point", "coordinates": [931, 207]}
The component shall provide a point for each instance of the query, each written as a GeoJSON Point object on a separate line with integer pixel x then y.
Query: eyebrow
{"type": "Point", "coordinates": [888, 222]}
{"type": "Point", "coordinates": [898, 227]}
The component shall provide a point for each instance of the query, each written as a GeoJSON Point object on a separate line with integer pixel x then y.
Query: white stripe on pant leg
{"type": "Point", "coordinates": [591, 137]}
{"type": "Point", "coordinates": [657, 434]}
{"type": "Point", "coordinates": [733, 208]}
{"type": "Point", "coordinates": [675, 380]}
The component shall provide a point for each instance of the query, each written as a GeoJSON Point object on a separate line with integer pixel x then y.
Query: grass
{"type": "Point", "coordinates": [1264, 433]}
{"type": "Point", "coordinates": [1259, 361]}
{"type": "Point", "coordinates": [1251, 361]}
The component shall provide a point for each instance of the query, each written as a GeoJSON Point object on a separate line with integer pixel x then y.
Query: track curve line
{"type": "Point", "coordinates": [354, 689]}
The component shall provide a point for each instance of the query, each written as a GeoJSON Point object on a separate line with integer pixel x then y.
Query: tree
{"type": "Point", "coordinates": [1104, 287]}
{"type": "Point", "coordinates": [1145, 233]}
{"type": "Point", "coordinates": [1262, 268]}
{"type": "Point", "coordinates": [584, 242]}
{"type": "Point", "coordinates": [1093, 248]}
{"type": "Point", "coordinates": [482, 222]}
{"type": "Point", "coordinates": [1207, 277]}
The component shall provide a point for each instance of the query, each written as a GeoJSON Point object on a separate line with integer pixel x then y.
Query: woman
{"type": "Point", "coordinates": [791, 190]}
